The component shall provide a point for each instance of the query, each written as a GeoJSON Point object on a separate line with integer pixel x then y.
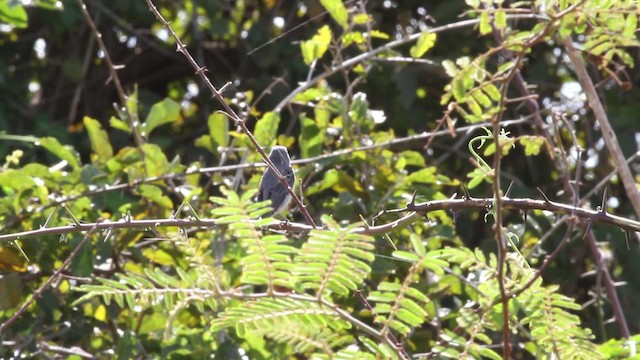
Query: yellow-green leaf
{"type": "Point", "coordinates": [337, 10]}
{"type": "Point", "coordinates": [310, 138]}
{"type": "Point", "coordinates": [63, 152]}
{"type": "Point", "coordinates": [532, 144]}
{"type": "Point", "coordinates": [316, 47]}
{"type": "Point", "coordinates": [266, 128]}
{"type": "Point", "coordinates": [14, 14]}
{"type": "Point", "coordinates": [425, 42]}
{"type": "Point", "coordinates": [99, 139]}
{"type": "Point", "coordinates": [154, 194]}
{"type": "Point", "coordinates": [501, 19]}
{"type": "Point", "coordinates": [485, 23]}
{"type": "Point", "coordinates": [219, 129]}
{"type": "Point", "coordinates": [163, 112]}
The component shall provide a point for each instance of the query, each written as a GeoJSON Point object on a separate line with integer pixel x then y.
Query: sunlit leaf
{"type": "Point", "coordinates": [425, 42]}
{"type": "Point", "coordinates": [266, 129]}
{"type": "Point", "coordinates": [337, 10]}
{"type": "Point", "coordinates": [156, 195]}
{"type": "Point", "coordinates": [99, 139]}
{"type": "Point", "coordinates": [63, 152]}
{"type": "Point", "coordinates": [316, 47]}
{"type": "Point", "coordinates": [13, 13]}
{"type": "Point", "coordinates": [311, 138]}
{"type": "Point", "coordinates": [163, 112]}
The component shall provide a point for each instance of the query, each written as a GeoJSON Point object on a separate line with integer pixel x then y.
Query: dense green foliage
{"type": "Point", "coordinates": [129, 222]}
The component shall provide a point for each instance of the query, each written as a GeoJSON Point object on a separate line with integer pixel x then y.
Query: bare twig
{"type": "Point", "coordinates": [412, 211]}
{"type": "Point", "coordinates": [59, 199]}
{"type": "Point", "coordinates": [114, 76]}
{"type": "Point", "coordinates": [608, 134]}
{"type": "Point", "coordinates": [390, 45]}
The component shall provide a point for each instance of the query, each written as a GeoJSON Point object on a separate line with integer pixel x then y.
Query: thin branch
{"type": "Point", "coordinates": [608, 134]}
{"type": "Point", "coordinates": [114, 75]}
{"type": "Point", "coordinates": [59, 199]}
{"type": "Point", "coordinates": [412, 213]}
{"type": "Point", "coordinates": [390, 45]}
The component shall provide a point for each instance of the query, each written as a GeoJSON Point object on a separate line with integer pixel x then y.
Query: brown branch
{"type": "Point", "coordinates": [60, 199]}
{"type": "Point", "coordinates": [390, 45]}
{"type": "Point", "coordinates": [114, 76]}
{"type": "Point", "coordinates": [413, 211]}
{"type": "Point", "coordinates": [608, 134]}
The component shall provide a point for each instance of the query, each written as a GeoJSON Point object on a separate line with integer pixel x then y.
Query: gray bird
{"type": "Point", "coordinates": [270, 186]}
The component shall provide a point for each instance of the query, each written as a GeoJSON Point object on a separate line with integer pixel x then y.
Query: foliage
{"type": "Point", "coordinates": [375, 106]}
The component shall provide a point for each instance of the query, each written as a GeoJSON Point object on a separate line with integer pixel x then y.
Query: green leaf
{"type": "Point", "coordinates": [337, 10]}
{"type": "Point", "coordinates": [82, 263]}
{"type": "Point", "coordinates": [16, 180]}
{"type": "Point", "coordinates": [500, 19]}
{"type": "Point", "coordinates": [379, 35]}
{"type": "Point", "coordinates": [156, 195]}
{"type": "Point", "coordinates": [492, 91]}
{"type": "Point", "coordinates": [219, 129]}
{"type": "Point", "coordinates": [485, 23]}
{"type": "Point", "coordinates": [405, 255]}
{"type": "Point", "coordinates": [630, 25]}
{"type": "Point", "coordinates": [266, 129]}
{"type": "Point", "coordinates": [423, 176]}
{"type": "Point", "coordinates": [316, 47]}
{"type": "Point", "coordinates": [425, 42]}
{"type": "Point", "coordinates": [163, 112]}
{"type": "Point", "coordinates": [450, 68]}
{"type": "Point", "coordinates": [310, 138]}
{"type": "Point", "coordinates": [63, 152]}
{"type": "Point", "coordinates": [205, 141]}
{"type": "Point", "coordinates": [155, 161]}
{"type": "Point", "coordinates": [532, 144]}
{"type": "Point", "coordinates": [116, 123]}
{"type": "Point", "coordinates": [418, 246]}
{"type": "Point", "coordinates": [99, 139]}
{"type": "Point", "coordinates": [14, 14]}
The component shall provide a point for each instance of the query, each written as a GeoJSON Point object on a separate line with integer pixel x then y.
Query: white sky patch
{"type": "Point", "coordinates": [40, 48]}
{"type": "Point", "coordinates": [278, 22]}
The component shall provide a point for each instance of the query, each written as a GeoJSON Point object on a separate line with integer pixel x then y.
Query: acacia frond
{"type": "Point", "coordinates": [306, 339]}
{"type": "Point", "coordinates": [400, 306]}
{"type": "Point", "coordinates": [334, 260]}
{"type": "Point", "coordinates": [268, 259]}
{"type": "Point", "coordinates": [554, 329]}
{"type": "Point", "coordinates": [268, 315]}
{"type": "Point", "coordinates": [155, 288]}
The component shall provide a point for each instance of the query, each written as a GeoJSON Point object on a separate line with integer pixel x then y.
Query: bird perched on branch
{"type": "Point", "coordinates": [270, 186]}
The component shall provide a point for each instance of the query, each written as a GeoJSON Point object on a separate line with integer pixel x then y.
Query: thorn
{"type": "Point", "coordinates": [467, 195]}
{"type": "Point", "coordinates": [376, 216]}
{"type": "Point", "coordinates": [224, 87]}
{"type": "Point", "coordinates": [364, 222]}
{"type": "Point", "coordinates": [411, 205]}
{"type": "Point", "coordinates": [454, 213]}
{"type": "Point", "coordinates": [506, 193]}
{"type": "Point", "coordinates": [603, 206]}
{"type": "Point", "coordinates": [586, 231]}
{"type": "Point", "coordinates": [546, 199]}
{"type": "Point", "coordinates": [453, 196]}
{"type": "Point", "coordinates": [426, 216]}
{"type": "Point", "coordinates": [524, 215]}
{"type": "Point", "coordinates": [626, 238]}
